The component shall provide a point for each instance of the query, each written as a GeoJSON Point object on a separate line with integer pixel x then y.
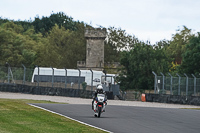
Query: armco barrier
{"type": "Point", "coordinates": [19, 88]}
{"type": "Point", "coordinates": [175, 99]}
{"type": "Point", "coordinates": [109, 95]}
{"type": "Point", "coordinates": [68, 92]}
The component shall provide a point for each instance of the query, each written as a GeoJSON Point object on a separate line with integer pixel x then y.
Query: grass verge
{"type": "Point", "coordinates": [16, 116]}
{"type": "Point", "coordinates": [192, 108]}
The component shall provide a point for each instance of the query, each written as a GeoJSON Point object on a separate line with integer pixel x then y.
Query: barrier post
{"type": "Point", "coordinates": [186, 83]}
{"type": "Point", "coordinates": [79, 78]}
{"type": "Point", "coordinates": [195, 82]}
{"type": "Point", "coordinates": [65, 78]}
{"type": "Point", "coordinates": [163, 85]}
{"type": "Point", "coordinates": [155, 81]}
{"type": "Point", "coordinates": [8, 65]}
{"type": "Point", "coordinates": [91, 80]}
{"type": "Point", "coordinates": [52, 76]}
{"type": "Point", "coordinates": [179, 83]}
{"type": "Point", "coordinates": [24, 77]}
{"type": "Point", "coordinates": [38, 75]}
{"type": "Point", "coordinates": [171, 83]}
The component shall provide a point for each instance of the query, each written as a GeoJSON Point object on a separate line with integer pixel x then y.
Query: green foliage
{"type": "Point", "coordinates": [64, 48]}
{"type": "Point", "coordinates": [2, 21]}
{"type": "Point", "coordinates": [55, 41]}
{"type": "Point", "coordinates": [45, 24]}
{"type": "Point", "coordinates": [117, 40]}
{"type": "Point", "coordinates": [177, 44]}
{"type": "Point", "coordinates": [25, 24]}
{"type": "Point", "coordinates": [3, 74]}
{"type": "Point", "coordinates": [16, 48]}
{"type": "Point", "coordinates": [139, 63]}
{"type": "Point", "coordinates": [175, 68]}
{"type": "Point", "coordinates": [191, 57]}
{"type": "Point", "coordinates": [10, 26]}
{"type": "Point", "coordinates": [84, 85]}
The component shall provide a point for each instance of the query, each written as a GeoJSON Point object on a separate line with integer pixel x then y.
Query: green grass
{"type": "Point", "coordinates": [16, 116]}
{"type": "Point", "coordinates": [192, 108]}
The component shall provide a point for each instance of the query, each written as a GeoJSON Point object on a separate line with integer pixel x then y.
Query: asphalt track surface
{"type": "Point", "coordinates": [131, 119]}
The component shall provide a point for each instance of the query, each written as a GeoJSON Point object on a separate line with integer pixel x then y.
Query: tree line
{"type": "Point", "coordinates": [58, 41]}
{"type": "Point", "coordinates": [180, 55]}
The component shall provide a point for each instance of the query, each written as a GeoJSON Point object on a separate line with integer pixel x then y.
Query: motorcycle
{"type": "Point", "coordinates": [99, 105]}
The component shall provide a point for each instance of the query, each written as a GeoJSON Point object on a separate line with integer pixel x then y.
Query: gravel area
{"type": "Point", "coordinates": [72, 100]}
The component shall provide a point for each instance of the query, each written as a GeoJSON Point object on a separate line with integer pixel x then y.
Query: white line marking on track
{"type": "Point", "coordinates": [70, 118]}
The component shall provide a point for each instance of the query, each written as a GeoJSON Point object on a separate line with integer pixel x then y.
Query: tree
{"type": "Point", "coordinates": [17, 47]}
{"type": "Point", "coordinates": [177, 44]}
{"type": "Point", "coordinates": [64, 48]}
{"type": "Point", "coordinates": [55, 41]}
{"type": "Point", "coordinates": [117, 40]}
{"type": "Point", "coordinates": [2, 21]}
{"type": "Point", "coordinates": [45, 24]}
{"type": "Point", "coordinates": [138, 64]}
{"type": "Point", "coordinates": [191, 57]}
{"type": "Point", "coordinates": [25, 24]}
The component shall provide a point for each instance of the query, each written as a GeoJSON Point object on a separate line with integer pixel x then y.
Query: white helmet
{"type": "Point", "coordinates": [99, 87]}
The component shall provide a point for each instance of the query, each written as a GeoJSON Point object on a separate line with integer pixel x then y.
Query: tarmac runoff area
{"type": "Point", "coordinates": [72, 100]}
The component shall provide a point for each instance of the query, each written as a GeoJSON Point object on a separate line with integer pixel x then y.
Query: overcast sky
{"type": "Point", "coordinates": [152, 20]}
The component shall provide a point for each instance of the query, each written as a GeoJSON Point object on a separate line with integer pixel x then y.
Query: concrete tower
{"type": "Point", "coordinates": [94, 49]}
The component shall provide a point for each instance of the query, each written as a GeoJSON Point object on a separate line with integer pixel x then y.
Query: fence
{"type": "Point", "coordinates": [25, 80]}
{"type": "Point", "coordinates": [187, 85]}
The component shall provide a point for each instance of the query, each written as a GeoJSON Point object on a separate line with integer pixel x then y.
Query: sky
{"type": "Point", "coordinates": [151, 20]}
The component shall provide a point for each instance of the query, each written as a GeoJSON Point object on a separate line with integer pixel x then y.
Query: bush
{"type": "Point", "coordinates": [84, 85]}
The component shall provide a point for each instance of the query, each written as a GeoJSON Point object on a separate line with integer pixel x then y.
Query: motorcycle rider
{"type": "Point", "coordinates": [99, 90]}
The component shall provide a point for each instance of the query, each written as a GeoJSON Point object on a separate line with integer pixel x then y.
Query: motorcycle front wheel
{"type": "Point", "coordinates": [99, 111]}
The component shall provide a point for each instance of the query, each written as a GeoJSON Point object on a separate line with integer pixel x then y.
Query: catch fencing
{"type": "Point", "coordinates": [25, 76]}
{"type": "Point", "coordinates": [24, 80]}
{"type": "Point", "coordinates": [187, 85]}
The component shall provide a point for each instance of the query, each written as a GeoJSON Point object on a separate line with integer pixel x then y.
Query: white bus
{"type": "Point", "coordinates": [45, 75]}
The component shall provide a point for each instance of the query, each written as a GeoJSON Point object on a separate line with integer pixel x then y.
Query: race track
{"type": "Point", "coordinates": [130, 119]}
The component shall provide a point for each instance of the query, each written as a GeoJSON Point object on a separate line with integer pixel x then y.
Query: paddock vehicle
{"type": "Point", "coordinates": [44, 74]}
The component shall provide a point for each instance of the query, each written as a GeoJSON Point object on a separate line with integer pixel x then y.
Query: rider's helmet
{"type": "Point", "coordinates": [99, 89]}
